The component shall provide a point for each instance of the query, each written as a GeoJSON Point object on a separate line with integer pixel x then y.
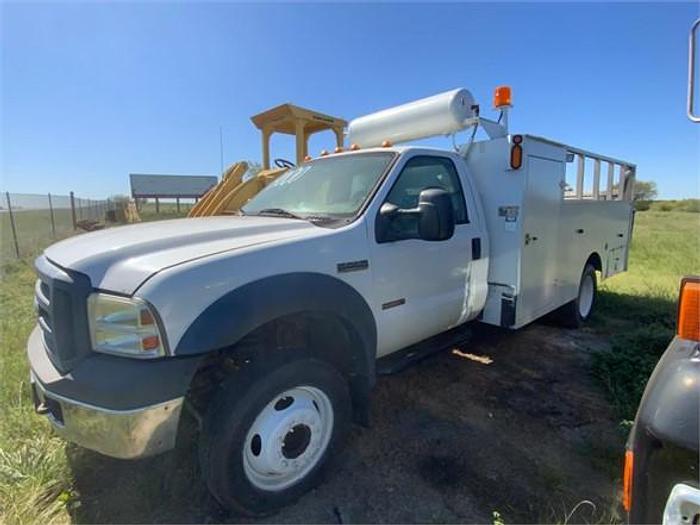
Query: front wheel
{"type": "Point", "coordinates": [578, 311]}
{"type": "Point", "coordinates": [264, 445]}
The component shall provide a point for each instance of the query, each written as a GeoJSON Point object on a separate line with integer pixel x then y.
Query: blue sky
{"type": "Point", "coordinates": [92, 92]}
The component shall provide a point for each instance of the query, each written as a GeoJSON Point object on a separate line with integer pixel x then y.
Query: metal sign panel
{"type": "Point", "coordinates": [170, 186]}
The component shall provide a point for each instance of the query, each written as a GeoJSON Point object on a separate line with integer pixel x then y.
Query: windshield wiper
{"type": "Point", "coordinates": [280, 212]}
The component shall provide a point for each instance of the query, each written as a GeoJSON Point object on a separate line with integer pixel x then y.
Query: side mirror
{"type": "Point", "coordinates": [436, 221]}
{"type": "Point", "coordinates": [434, 217]}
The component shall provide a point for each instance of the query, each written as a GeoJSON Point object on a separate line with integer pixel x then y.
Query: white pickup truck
{"type": "Point", "coordinates": [267, 325]}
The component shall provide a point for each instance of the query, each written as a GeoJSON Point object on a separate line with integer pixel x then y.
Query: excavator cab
{"type": "Point", "coordinates": [232, 191]}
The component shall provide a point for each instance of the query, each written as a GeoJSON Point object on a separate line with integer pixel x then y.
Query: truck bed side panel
{"type": "Point", "coordinates": [529, 278]}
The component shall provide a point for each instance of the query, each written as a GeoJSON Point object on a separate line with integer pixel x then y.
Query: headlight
{"type": "Point", "coordinates": [123, 326]}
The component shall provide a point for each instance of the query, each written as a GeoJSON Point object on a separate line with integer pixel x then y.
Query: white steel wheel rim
{"type": "Point", "coordinates": [585, 296]}
{"type": "Point", "coordinates": [288, 438]}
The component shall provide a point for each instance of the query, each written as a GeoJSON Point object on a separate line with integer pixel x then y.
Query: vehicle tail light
{"type": "Point", "coordinates": [627, 480]}
{"type": "Point", "coordinates": [689, 309]}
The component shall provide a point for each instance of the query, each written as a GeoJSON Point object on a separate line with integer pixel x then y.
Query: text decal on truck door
{"type": "Point", "coordinates": [353, 266]}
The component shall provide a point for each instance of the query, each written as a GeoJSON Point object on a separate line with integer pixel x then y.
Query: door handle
{"type": "Point", "coordinates": [579, 230]}
{"type": "Point", "coordinates": [476, 248]}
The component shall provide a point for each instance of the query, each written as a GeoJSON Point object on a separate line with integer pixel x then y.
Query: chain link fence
{"type": "Point", "coordinates": [29, 222]}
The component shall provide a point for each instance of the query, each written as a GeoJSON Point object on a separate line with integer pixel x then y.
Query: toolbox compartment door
{"type": "Point", "coordinates": [539, 267]}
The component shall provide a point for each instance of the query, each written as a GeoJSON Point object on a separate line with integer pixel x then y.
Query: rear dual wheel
{"type": "Point", "coordinates": [267, 438]}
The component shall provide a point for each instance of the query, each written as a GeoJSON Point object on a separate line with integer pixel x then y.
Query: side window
{"type": "Point", "coordinates": [418, 174]}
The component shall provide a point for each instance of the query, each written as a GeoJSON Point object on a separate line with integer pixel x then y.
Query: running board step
{"type": "Point", "coordinates": [402, 359]}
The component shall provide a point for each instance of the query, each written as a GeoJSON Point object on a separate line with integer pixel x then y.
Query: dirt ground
{"type": "Point", "coordinates": [522, 429]}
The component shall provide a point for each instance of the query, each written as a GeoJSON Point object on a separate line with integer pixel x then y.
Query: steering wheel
{"type": "Point", "coordinates": [284, 163]}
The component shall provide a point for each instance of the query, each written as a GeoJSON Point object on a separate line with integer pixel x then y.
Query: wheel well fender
{"type": "Point", "coordinates": [595, 260]}
{"type": "Point", "coordinates": [242, 311]}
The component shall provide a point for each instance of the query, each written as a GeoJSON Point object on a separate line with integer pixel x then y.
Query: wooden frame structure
{"type": "Point", "coordinates": [294, 120]}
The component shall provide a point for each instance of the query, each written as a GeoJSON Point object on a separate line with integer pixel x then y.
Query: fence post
{"type": "Point", "coordinates": [157, 206]}
{"type": "Point", "coordinates": [177, 200]}
{"type": "Point", "coordinates": [53, 221]}
{"type": "Point", "coordinates": [12, 223]}
{"type": "Point", "coordinates": [72, 210]}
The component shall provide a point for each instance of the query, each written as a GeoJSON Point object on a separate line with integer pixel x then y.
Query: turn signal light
{"type": "Point", "coordinates": [502, 97]}
{"type": "Point", "coordinates": [689, 309]}
{"type": "Point", "coordinates": [627, 480]}
{"type": "Point", "coordinates": [150, 342]}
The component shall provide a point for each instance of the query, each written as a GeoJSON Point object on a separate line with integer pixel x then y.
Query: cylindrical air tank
{"type": "Point", "coordinates": [437, 115]}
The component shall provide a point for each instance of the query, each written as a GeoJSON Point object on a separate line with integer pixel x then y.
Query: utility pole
{"type": "Point", "coordinates": [221, 150]}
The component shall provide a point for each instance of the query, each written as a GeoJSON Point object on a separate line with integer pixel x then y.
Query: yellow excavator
{"type": "Point", "coordinates": [235, 189]}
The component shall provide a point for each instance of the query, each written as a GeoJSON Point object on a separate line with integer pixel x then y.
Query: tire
{"type": "Point", "coordinates": [268, 437]}
{"type": "Point", "coordinates": [578, 311]}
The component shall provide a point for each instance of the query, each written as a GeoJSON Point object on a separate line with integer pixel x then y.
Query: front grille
{"type": "Point", "coordinates": [43, 309]}
{"type": "Point", "coordinates": [60, 297]}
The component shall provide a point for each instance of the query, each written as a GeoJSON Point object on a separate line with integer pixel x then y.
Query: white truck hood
{"type": "Point", "coordinates": [120, 259]}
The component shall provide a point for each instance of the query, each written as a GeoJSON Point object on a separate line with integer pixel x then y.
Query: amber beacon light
{"type": "Point", "coordinates": [502, 97]}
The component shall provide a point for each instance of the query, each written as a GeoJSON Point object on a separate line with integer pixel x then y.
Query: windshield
{"type": "Point", "coordinates": [334, 187]}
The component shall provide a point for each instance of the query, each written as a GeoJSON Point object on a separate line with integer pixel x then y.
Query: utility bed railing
{"type": "Point", "coordinates": [622, 190]}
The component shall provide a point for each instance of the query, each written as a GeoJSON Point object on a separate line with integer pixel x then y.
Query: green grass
{"type": "Point", "coordinates": [636, 310]}
{"type": "Point", "coordinates": [35, 482]}
{"type": "Point", "coordinates": [685, 205]}
{"type": "Point", "coordinates": [34, 231]}
{"type": "Point", "coordinates": [35, 478]}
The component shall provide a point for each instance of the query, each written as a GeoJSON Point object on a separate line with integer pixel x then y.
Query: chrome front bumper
{"type": "Point", "coordinates": [125, 434]}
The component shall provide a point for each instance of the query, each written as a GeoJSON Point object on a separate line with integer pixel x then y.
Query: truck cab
{"type": "Point", "coordinates": [661, 477]}
{"type": "Point", "coordinates": [266, 322]}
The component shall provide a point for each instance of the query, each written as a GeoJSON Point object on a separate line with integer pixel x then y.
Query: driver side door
{"type": "Point", "coordinates": [421, 287]}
